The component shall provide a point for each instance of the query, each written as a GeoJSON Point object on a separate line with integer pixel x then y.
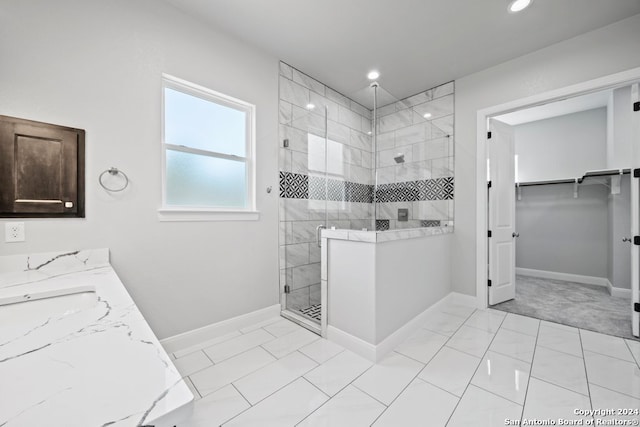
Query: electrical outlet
{"type": "Point", "coordinates": [14, 232]}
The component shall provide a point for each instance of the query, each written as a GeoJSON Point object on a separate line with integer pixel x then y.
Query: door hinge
{"type": "Point", "coordinates": [636, 106]}
{"type": "Point", "coordinates": [489, 233]}
{"type": "Point", "coordinates": [636, 173]}
{"type": "Point", "coordinates": [636, 240]}
{"type": "Point", "coordinates": [287, 289]}
{"type": "Point", "coordinates": [636, 307]}
{"type": "Point", "coordinates": [489, 184]}
{"type": "Point", "coordinates": [489, 135]}
{"type": "Point", "coordinates": [489, 282]}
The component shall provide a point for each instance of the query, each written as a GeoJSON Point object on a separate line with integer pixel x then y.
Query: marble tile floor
{"type": "Point", "coordinates": [465, 367]}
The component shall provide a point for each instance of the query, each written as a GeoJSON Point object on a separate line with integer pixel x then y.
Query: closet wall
{"type": "Point", "coordinates": [619, 139]}
{"type": "Point", "coordinates": [560, 233]}
{"type": "Point", "coordinates": [562, 147]}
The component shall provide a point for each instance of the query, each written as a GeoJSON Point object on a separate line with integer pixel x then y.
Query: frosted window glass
{"type": "Point", "coordinates": [197, 123]}
{"type": "Point", "coordinates": [195, 180]}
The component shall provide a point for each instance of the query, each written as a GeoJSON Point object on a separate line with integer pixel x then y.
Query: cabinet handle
{"type": "Point", "coordinates": [37, 201]}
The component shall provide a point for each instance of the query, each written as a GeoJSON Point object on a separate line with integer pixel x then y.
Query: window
{"type": "Point", "coordinates": [208, 146]}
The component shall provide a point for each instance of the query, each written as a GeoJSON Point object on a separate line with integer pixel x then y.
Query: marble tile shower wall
{"type": "Point", "coordinates": [349, 168]}
{"type": "Point", "coordinates": [423, 184]}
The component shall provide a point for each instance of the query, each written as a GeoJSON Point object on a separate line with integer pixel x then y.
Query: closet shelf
{"type": "Point", "coordinates": [588, 174]}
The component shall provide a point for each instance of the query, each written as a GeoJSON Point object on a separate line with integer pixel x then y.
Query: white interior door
{"type": "Point", "coordinates": [635, 214]}
{"type": "Point", "coordinates": [502, 213]}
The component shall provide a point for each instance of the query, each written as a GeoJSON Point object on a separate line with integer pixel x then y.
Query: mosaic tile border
{"type": "Point", "coordinates": [410, 191]}
{"type": "Point", "coordinates": [382, 224]}
{"type": "Point", "coordinates": [299, 186]}
{"type": "Point", "coordinates": [430, 223]}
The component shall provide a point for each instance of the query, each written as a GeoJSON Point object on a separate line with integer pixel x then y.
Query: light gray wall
{"type": "Point", "coordinates": [620, 152]}
{"type": "Point", "coordinates": [595, 54]}
{"type": "Point", "coordinates": [562, 147]}
{"type": "Point", "coordinates": [561, 234]}
{"type": "Point", "coordinates": [411, 276]}
{"type": "Point", "coordinates": [96, 65]}
{"type": "Point", "coordinates": [619, 227]}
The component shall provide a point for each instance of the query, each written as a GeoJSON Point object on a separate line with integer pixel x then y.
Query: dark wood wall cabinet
{"type": "Point", "coordinates": [41, 170]}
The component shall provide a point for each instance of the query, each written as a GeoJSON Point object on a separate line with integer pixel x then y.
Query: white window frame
{"type": "Point", "coordinates": [210, 213]}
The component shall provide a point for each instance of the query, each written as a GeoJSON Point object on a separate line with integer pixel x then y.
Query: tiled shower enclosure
{"type": "Point", "coordinates": [327, 173]}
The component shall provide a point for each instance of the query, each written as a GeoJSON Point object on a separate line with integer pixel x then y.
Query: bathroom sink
{"type": "Point", "coordinates": [17, 305]}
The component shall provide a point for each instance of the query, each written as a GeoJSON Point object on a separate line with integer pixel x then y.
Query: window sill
{"type": "Point", "coordinates": [194, 214]}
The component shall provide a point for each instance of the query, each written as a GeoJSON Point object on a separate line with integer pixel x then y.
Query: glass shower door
{"type": "Point", "coordinates": [326, 180]}
{"type": "Point", "coordinates": [303, 208]}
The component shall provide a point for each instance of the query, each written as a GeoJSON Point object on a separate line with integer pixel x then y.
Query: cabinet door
{"type": "Point", "coordinates": [42, 169]}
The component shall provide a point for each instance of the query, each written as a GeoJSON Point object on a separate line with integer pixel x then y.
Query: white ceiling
{"type": "Point", "coordinates": [559, 108]}
{"type": "Point", "coordinates": [415, 44]}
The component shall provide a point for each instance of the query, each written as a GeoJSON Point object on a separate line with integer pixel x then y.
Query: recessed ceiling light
{"type": "Point", "coordinates": [518, 5]}
{"type": "Point", "coordinates": [310, 106]}
{"type": "Point", "coordinates": [373, 75]}
{"type": "Point", "coordinates": [369, 133]}
{"type": "Point", "coordinates": [426, 115]}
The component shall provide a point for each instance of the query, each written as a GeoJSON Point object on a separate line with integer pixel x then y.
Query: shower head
{"type": "Point", "coordinates": [399, 158]}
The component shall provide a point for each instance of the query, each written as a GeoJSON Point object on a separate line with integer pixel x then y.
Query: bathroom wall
{"type": "Point", "coordinates": [423, 183]}
{"type": "Point", "coordinates": [303, 203]}
{"type": "Point", "coordinates": [96, 65]}
{"type": "Point", "coordinates": [601, 52]}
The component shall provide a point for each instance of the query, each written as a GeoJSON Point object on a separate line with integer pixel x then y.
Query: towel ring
{"type": "Point", "coordinates": [114, 171]}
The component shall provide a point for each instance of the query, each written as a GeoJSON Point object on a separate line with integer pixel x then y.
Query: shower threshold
{"type": "Point", "coordinates": [303, 320]}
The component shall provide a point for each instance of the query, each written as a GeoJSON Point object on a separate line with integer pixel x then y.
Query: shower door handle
{"type": "Point", "coordinates": [318, 228]}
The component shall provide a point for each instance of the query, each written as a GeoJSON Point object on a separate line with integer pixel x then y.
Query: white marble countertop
{"type": "Point", "coordinates": [384, 236]}
{"type": "Point", "coordinates": [88, 359]}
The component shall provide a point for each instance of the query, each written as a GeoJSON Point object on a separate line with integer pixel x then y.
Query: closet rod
{"type": "Point", "coordinates": [612, 172]}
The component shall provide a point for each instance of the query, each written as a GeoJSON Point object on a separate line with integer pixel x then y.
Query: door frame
{"type": "Point", "coordinates": [611, 81]}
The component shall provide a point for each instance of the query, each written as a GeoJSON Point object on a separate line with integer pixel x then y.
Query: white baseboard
{"type": "Point", "coordinates": [618, 292]}
{"type": "Point", "coordinates": [554, 275]}
{"type": "Point", "coordinates": [375, 353]}
{"type": "Point", "coordinates": [463, 299]}
{"type": "Point", "coordinates": [350, 342]}
{"type": "Point", "coordinates": [189, 338]}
